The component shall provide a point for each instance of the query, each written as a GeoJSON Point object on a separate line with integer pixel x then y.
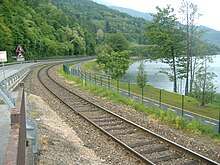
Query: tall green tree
{"type": "Point", "coordinates": [190, 15]}
{"type": "Point", "coordinates": [165, 38]}
{"type": "Point", "coordinates": [117, 41]}
{"type": "Point", "coordinates": [204, 89]}
{"type": "Point", "coordinates": [6, 38]}
{"type": "Point", "coordinates": [100, 36]}
{"type": "Point", "coordinates": [113, 63]}
{"type": "Point", "coordinates": [142, 77]}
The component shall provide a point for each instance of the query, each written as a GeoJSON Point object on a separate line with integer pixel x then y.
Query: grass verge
{"type": "Point", "coordinates": [190, 104]}
{"type": "Point", "coordinates": [167, 117]}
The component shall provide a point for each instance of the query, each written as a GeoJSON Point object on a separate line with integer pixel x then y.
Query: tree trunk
{"type": "Point", "coordinates": [142, 94]}
{"type": "Point", "coordinates": [187, 51]}
{"type": "Point", "coordinates": [174, 71]}
{"type": "Point", "coordinates": [204, 85]}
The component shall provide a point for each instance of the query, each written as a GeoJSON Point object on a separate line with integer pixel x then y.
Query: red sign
{"type": "Point", "coordinates": [20, 57]}
{"type": "Point", "coordinates": [19, 49]}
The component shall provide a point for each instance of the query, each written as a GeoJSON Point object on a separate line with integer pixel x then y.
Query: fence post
{"type": "Point", "coordinates": [182, 105]}
{"type": "Point", "coordinates": [85, 78]}
{"type": "Point", "coordinates": [129, 89]}
{"type": "Point", "coordinates": [160, 96]}
{"type": "Point", "coordinates": [101, 80]}
{"type": "Point", "coordinates": [108, 82]}
{"type": "Point", "coordinates": [117, 85]}
{"type": "Point", "coordinates": [95, 78]}
{"type": "Point", "coordinates": [73, 71]}
{"type": "Point", "coordinates": [219, 122]}
{"type": "Point", "coordinates": [78, 72]}
{"type": "Point", "coordinates": [142, 95]}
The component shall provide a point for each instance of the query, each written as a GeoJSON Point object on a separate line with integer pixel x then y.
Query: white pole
{"type": "Point", "coordinates": [3, 69]}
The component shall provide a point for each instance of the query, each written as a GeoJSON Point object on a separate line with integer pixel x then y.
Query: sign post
{"type": "Point", "coordinates": [3, 58]}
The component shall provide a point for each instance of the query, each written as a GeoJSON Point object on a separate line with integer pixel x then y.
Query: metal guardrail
{"type": "Point", "coordinates": [10, 83]}
{"type": "Point", "coordinates": [16, 150]}
{"type": "Point", "coordinates": [6, 97]}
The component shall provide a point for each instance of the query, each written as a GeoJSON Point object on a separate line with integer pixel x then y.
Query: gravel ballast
{"type": "Point", "coordinates": [66, 138]}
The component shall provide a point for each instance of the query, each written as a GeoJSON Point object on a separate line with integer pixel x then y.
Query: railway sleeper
{"type": "Point", "coordinates": [129, 132]}
{"type": "Point", "coordinates": [99, 117]}
{"type": "Point", "coordinates": [115, 128]}
{"type": "Point", "coordinates": [103, 121]}
{"type": "Point", "coordinates": [154, 150]}
{"type": "Point", "coordinates": [87, 110]}
{"type": "Point", "coordinates": [110, 124]}
{"type": "Point", "coordinates": [166, 158]}
{"type": "Point", "coordinates": [141, 143]}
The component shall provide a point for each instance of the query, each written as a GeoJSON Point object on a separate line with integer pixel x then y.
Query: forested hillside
{"type": "Point", "coordinates": [51, 28]}
{"type": "Point", "coordinates": [56, 28]}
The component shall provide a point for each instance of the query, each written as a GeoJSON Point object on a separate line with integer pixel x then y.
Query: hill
{"type": "Point", "coordinates": [211, 35]}
{"type": "Point", "coordinates": [50, 28]}
{"type": "Point", "coordinates": [56, 28]}
{"type": "Point", "coordinates": [133, 13]}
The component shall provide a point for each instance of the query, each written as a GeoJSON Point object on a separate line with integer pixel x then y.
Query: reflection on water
{"type": "Point", "coordinates": [160, 80]}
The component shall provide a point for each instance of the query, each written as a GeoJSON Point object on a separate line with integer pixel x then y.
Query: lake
{"type": "Point", "coordinates": [161, 81]}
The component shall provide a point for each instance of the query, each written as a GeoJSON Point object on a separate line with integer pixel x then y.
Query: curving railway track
{"type": "Point", "coordinates": [150, 147]}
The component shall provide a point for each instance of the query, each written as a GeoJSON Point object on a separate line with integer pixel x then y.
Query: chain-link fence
{"type": "Point", "coordinates": [182, 105]}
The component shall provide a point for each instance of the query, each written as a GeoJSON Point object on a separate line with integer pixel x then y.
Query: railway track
{"type": "Point", "coordinates": [148, 146]}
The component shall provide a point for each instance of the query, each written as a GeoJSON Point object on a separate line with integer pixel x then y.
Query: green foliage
{"type": "Point", "coordinates": [139, 50]}
{"type": "Point", "coordinates": [142, 75]}
{"type": "Point", "coordinates": [117, 42]}
{"type": "Point", "coordinates": [42, 29]}
{"type": "Point", "coordinates": [203, 89]}
{"type": "Point", "coordinates": [168, 117]}
{"type": "Point", "coordinates": [113, 56]}
{"type": "Point", "coordinates": [113, 63]}
{"type": "Point", "coordinates": [165, 38]}
{"type": "Point", "coordinates": [95, 16]}
{"type": "Point", "coordinates": [47, 29]}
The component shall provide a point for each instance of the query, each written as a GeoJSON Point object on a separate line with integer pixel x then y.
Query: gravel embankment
{"type": "Point", "coordinates": [65, 138]}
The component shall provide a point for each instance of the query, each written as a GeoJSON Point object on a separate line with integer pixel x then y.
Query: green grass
{"type": "Point", "coordinates": [170, 98]}
{"type": "Point", "coordinates": [167, 117]}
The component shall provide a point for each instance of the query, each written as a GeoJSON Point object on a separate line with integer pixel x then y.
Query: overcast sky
{"type": "Point", "coordinates": [210, 9]}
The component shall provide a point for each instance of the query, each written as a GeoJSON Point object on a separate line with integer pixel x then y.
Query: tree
{"type": "Point", "coordinates": [107, 27]}
{"type": "Point", "coordinates": [5, 37]}
{"type": "Point", "coordinates": [142, 77]}
{"type": "Point", "coordinates": [76, 38]}
{"type": "Point", "coordinates": [190, 15]}
{"type": "Point", "coordinates": [117, 41]}
{"type": "Point", "coordinates": [203, 88]}
{"type": "Point", "coordinates": [113, 63]}
{"type": "Point", "coordinates": [165, 40]}
{"type": "Point", "coordinates": [99, 36]}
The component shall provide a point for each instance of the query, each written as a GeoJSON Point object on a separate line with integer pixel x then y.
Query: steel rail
{"type": "Point", "coordinates": [173, 144]}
